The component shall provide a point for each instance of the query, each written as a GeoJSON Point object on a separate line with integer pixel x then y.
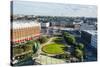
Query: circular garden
{"type": "Point", "coordinates": [53, 48]}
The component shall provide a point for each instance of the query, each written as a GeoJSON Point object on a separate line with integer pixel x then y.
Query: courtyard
{"type": "Point", "coordinates": [50, 50]}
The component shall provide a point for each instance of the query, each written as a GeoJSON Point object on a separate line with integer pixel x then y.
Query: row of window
{"type": "Point", "coordinates": [25, 32]}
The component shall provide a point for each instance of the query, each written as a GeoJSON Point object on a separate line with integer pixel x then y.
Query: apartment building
{"type": "Point", "coordinates": [23, 30]}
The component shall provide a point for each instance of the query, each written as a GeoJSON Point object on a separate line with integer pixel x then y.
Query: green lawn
{"type": "Point", "coordinates": [54, 48]}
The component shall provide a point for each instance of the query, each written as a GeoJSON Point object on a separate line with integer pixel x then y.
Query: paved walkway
{"type": "Point", "coordinates": [48, 60]}
{"type": "Point", "coordinates": [48, 42]}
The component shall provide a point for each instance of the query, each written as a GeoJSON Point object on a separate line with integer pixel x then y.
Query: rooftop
{"type": "Point", "coordinates": [92, 32]}
{"type": "Point", "coordinates": [23, 24]}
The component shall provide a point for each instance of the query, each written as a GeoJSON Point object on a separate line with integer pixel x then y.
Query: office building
{"type": "Point", "coordinates": [24, 30]}
{"type": "Point", "coordinates": [89, 37]}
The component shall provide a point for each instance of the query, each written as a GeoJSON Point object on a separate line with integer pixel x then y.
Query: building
{"type": "Point", "coordinates": [89, 37]}
{"type": "Point", "coordinates": [24, 30]}
{"type": "Point", "coordinates": [86, 26]}
{"type": "Point", "coordinates": [45, 24]}
{"type": "Point", "coordinates": [21, 32]}
{"type": "Point", "coordinates": [45, 27]}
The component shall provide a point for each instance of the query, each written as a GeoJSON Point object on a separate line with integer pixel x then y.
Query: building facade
{"type": "Point", "coordinates": [22, 31]}
{"type": "Point", "coordinates": [45, 27]}
{"type": "Point", "coordinates": [89, 37]}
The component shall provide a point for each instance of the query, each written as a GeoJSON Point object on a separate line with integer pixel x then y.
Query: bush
{"type": "Point", "coordinates": [27, 47]}
{"type": "Point", "coordinates": [57, 40]}
{"type": "Point", "coordinates": [43, 39]}
{"type": "Point", "coordinates": [30, 42]}
{"type": "Point", "coordinates": [67, 55]}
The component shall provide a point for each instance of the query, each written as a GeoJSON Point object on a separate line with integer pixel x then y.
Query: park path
{"type": "Point", "coordinates": [48, 42]}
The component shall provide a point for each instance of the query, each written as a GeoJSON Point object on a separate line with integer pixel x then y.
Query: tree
{"type": "Point", "coordinates": [66, 34]}
{"type": "Point", "coordinates": [71, 39]}
{"type": "Point", "coordinates": [43, 39]}
{"type": "Point", "coordinates": [67, 55]}
{"type": "Point", "coordinates": [79, 53]}
{"type": "Point", "coordinates": [80, 46]}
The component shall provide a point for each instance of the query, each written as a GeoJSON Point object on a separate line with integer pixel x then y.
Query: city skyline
{"type": "Point", "coordinates": [53, 9]}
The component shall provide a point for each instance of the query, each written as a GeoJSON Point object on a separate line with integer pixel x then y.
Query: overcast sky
{"type": "Point", "coordinates": [53, 9]}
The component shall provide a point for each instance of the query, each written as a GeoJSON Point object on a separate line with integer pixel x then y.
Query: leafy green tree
{"type": "Point", "coordinates": [43, 39]}
{"type": "Point", "coordinates": [80, 46]}
{"type": "Point", "coordinates": [66, 34]}
{"type": "Point", "coordinates": [67, 55]}
{"type": "Point", "coordinates": [78, 53]}
{"type": "Point", "coordinates": [71, 39]}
